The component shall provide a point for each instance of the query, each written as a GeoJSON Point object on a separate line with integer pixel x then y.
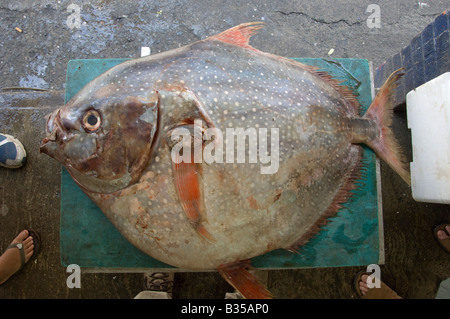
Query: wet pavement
{"type": "Point", "coordinates": [40, 37]}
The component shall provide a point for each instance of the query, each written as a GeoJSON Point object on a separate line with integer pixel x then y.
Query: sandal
{"type": "Point", "coordinates": [444, 243]}
{"type": "Point", "coordinates": [384, 292]}
{"type": "Point", "coordinates": [36, 243]}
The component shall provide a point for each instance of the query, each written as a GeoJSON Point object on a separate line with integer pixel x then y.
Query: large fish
{"type": "Point", "coordinates": [213, 153]}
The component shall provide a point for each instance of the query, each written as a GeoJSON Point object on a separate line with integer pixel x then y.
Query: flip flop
{"type": "Point", "coordinates": [36, 243]}
{"type": "Point", "coordinates": [384, 292]}
{"type": "Point", "coordinates": [444, 243]}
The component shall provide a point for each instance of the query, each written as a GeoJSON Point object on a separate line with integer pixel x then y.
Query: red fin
{"type": "Point", "coordinates": [381, 111]}
{"type": "Point", "coordinates": [345, 91]}
{"type": "Point", "coordinates": [341, 197]}
{"type": "Point", "coordinates": [239, 35]}
{"type": "Point", "coordinates": [239, 276]}
{"type": "Point", "coordinates": [186, 178]}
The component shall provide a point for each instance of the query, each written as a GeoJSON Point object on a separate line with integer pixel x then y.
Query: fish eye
{"type": "Point", "coordinates": [91, 121]}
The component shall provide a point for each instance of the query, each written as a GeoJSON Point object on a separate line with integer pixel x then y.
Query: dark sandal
{"type": "Point", "coordinates": [444, 243]}
{"type": "Point", "coordinates": [36, 243]}
{"type": "Point", "coordinates": [384, 292]}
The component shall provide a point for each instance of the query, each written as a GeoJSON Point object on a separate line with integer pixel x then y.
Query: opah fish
{"type": "Point", "coordinates": [125, 140]}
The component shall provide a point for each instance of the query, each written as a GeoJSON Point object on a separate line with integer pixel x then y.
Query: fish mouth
{"type": "Point", "coordinates": [56, 135]}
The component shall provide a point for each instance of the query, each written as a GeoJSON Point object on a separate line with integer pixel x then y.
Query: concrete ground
{"type": "Point", "coordinates": [36, 55]}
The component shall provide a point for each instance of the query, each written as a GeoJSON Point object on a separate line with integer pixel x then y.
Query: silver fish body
{"type": "Point", "coordinates": [299, 157]}
{"type": "Point", "coordinates": [248, 213]}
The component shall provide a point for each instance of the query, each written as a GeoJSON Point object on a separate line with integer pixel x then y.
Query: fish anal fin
{"type": "Point", "coordinates": [350, 182]}
{"type": "Point", "coordinates": [239, 35]}
{"type": "Point", "coordinates": [187, 184]}
{"type": "Point", "coordinates": [239, 276]}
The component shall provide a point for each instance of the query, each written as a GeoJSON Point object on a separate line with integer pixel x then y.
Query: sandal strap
{"type": "Point", "coordinates": [384, 292]}
{"type": "Point", "coordinates": [22, 253]}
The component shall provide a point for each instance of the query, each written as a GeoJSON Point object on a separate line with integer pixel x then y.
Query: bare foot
{"type": "Point", "coordinates": [10, 261]}
{"type": "Point", "coordinates": [384, 292]}
{"type": "Point", "coordinates": [442, 234]}
{"type": "Point", "coordinates": [363, 284]}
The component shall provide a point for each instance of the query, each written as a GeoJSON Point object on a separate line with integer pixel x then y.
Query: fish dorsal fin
{"type": "Point", "coordinates": [239, 35]}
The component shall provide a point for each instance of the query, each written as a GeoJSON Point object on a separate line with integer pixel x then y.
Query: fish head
{"type": "Point", "coordinates": [103, 139]}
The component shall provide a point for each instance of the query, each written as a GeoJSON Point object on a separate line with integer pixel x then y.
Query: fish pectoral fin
{"type": "Point", "coordinates": [185, 140]}
{"type": "Point", "coordinates": [239, 276]}
{"type": "Point", "coordinates": [191, 109]}
{"type": "Point", "coordinates": [200, 108]}
{"type": "Point", "coordinates": [186, 177]}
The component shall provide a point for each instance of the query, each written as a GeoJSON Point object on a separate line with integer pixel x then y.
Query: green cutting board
{"type": "Point", "coordinates": [351, 238]}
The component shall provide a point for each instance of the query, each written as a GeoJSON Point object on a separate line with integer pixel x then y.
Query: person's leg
{"type": "Point", "coordinates": [12, 152]}
{"type": "Point", "coordinates": [11, 260]}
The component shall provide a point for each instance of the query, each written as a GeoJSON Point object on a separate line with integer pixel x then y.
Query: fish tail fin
{"type": "Point", "coordinates": [239, 276]}
{"type": "Point", "coordinates": [381, 111]}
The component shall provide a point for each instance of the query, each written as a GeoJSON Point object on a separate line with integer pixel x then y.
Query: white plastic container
{"type": "Point", "coordinates": [428, 109]}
